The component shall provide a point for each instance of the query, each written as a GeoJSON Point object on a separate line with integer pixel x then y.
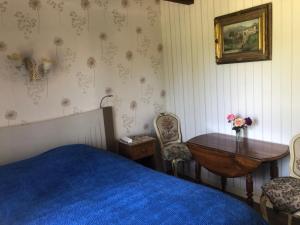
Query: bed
{"type": "Point", "coordinates": [79, 184]}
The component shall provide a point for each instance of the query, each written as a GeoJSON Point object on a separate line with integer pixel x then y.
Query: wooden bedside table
{"type": "Point", "coordinates": [142, 150]}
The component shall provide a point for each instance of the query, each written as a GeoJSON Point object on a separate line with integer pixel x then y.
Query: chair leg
{"type": "Point", "coordinates": [263, 206]}
{"type": "Point", "coordinates": [290, 219]}
{"type": "Point", "coordinates": [174, 167]}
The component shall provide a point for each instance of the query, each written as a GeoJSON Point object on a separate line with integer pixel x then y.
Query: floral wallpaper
{"type": "Point", "coordinates": [99, 47]}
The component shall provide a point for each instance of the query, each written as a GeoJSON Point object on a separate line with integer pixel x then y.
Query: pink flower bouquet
{"type": "Point", "coordinates": [238, 122]}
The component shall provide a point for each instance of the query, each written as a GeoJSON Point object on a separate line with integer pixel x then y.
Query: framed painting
{"type": "Point", "coordinates": [244, 36]}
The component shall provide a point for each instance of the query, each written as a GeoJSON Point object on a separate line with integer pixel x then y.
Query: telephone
{"type": "Point", "coordinates": [126, 140]}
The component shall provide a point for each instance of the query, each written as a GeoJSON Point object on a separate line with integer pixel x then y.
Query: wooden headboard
{"type": "Point", "coordinates": [25, 141]}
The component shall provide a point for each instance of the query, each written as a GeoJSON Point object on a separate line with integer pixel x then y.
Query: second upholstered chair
{"type": "Point", "coordinates": [284, 192]}
{"type": "Point", "coordinates": [167, 127]}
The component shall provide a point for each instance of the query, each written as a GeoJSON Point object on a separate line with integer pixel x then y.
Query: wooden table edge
{"type": "Point", "coordinates": [233, 154]}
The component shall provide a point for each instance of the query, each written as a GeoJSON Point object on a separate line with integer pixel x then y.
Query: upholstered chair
{"type": "Point", "coordinates": [167, 127]}
{"type": "Point", "coordinates": [284, 192]}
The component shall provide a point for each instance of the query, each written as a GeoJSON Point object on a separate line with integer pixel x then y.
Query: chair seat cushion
{"type": "Point", "coordinates": [178, 151]}
{"type": "Point", "coordinates": [284, 193]}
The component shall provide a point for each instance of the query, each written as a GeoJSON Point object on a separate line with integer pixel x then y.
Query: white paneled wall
{"type": "Point", "coordinates": [201, 93]}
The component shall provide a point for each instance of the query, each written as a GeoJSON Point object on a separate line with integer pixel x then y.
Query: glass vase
{"type": "Point", "coordinates": [238, 136]}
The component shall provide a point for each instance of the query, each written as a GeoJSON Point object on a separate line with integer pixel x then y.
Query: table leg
{"type": "Point", "coordinates": [274, 170]}
{"type": "Point", "coordinates": [223, 183]}
{"type": "Point", "coordinates": [198, 172]}
{"type": "Point", "coordinates": [249, 188]}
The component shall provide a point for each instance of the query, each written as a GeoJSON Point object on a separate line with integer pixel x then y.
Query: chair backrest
{"type": "Point", "coordinates": [167, 127]}
{"type": "Point", "coordinates": [295, 157]}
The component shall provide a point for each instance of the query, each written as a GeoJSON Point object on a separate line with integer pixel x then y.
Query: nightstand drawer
{"type": "Point", "coordinates": [142, 151]}
{"type": "Point", "coordinates": [139, 151]}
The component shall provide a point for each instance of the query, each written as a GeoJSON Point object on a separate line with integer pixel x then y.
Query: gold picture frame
{"type": "Point", "coordinates": [244, 36]}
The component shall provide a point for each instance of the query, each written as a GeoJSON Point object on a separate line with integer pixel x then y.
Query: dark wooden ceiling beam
{"type": "Point", "coordinates": [186, 2]}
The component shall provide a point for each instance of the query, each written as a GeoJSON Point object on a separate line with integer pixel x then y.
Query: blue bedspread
{"type": "Point", "coordinates": [78, 184]}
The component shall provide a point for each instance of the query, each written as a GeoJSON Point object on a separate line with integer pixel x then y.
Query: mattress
{"type": "Point", "coordinates": [80, 185]}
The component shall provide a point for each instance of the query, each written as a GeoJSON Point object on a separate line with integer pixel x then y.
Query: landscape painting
{"type": "Point", "coordinates": [241, 37]}
{"type": "Point", "coordinates": [244, 36]}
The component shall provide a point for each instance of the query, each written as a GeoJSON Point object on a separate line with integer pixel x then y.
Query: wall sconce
{"type": "Point", "coordinates": [36, 70]}
{"type": "Point", "coordinates": [102, 99]}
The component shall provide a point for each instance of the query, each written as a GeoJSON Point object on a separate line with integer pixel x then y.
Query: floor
{"type": "Point", "coordinates": [277, 219]}
{"type": "Point", "coordinates": [274, 218]}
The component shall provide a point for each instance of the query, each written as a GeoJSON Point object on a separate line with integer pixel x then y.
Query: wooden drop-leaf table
{"type": "Point", "coordinates": [223, 155]}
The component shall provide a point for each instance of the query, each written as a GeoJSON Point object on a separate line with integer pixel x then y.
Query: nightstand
{"type": "Point", "coordinates": [141, 150]}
